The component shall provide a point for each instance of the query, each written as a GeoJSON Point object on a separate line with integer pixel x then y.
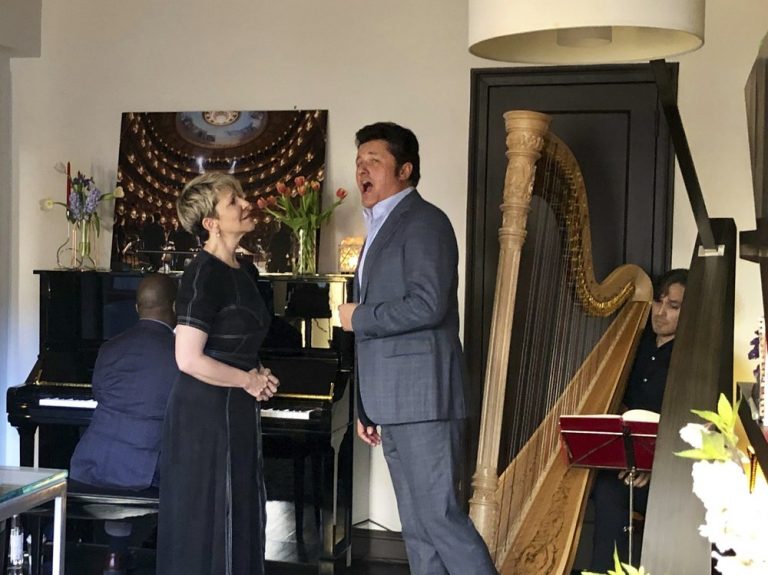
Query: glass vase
{"type": "Point", "coordinates": [86, 233]}
{"type": "Point", "coordinates": [305, 251]}
{"type": "Point", "coordinates": [66, 254]}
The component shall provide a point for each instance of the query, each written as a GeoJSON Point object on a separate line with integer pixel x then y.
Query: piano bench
{"type": "Point", "coordinates": [86, 502]}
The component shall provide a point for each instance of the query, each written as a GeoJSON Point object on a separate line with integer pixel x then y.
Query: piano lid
{"type": "Point", "coordinates": [81, 310]}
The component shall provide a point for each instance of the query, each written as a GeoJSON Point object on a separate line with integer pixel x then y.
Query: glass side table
{"type": "Point", "coordinates": [23, 488]}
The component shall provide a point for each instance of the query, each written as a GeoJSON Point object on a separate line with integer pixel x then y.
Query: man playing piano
{"type": "Point", "coordinates": [132, 379]}
{"type": "Point", "coordinates": [410, 363]}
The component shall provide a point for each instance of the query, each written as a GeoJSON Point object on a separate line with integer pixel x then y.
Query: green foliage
{"type": "Point", "coordinates": [620, 568]}
{"type": "Point", "coordinates": [720, 446]}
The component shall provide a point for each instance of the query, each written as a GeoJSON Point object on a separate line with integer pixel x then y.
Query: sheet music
{"type": "Point", "coordinates": [610, 441]}
{"type": "Point", "coordinates": [640, 415]}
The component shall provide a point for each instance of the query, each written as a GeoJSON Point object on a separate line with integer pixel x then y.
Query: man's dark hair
{"type": "Point", "coordinates": [662, 283]}
{"type": "Point", "coordinates": [402, 144]}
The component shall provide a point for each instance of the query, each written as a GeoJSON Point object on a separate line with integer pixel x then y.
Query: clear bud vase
{"type": "Point", "coordinates": [66, 254]}
{"type": "Point", "coordinates": [85, 233]}
{"type": "Point", "coordinates": [305, 252]}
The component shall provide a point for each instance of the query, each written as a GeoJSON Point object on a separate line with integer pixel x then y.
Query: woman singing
{"type": "Point", "coordinates": [212, 498]}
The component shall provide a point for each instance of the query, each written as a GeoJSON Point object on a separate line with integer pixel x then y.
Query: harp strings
{"type": "Point", "coordinates": [561, 358]}
{"type": "Point", "coordinates": [552, 334]}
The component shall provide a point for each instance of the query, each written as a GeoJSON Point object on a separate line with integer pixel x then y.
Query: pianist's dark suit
{"type": "Point", "coordinates": [132, 379]}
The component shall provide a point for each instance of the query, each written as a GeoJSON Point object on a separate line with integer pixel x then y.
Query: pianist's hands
{"type": "Point", "coordinates": [262, 384]}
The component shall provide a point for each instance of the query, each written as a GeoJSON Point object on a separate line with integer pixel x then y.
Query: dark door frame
{"type": "Point", "coordinates": [477, 291]}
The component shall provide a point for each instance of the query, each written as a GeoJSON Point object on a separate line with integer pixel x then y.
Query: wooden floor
{"type": "Point", "coordinates": [90, 562]}
{"type": "Point", "coordinates": [287, 554]}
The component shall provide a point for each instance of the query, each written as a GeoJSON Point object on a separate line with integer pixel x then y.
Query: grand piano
{"type": "Point", "coordinates": [310, 417]}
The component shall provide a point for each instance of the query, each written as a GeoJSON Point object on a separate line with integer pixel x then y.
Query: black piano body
{"type": "Point", "coordinates": [311, 415]}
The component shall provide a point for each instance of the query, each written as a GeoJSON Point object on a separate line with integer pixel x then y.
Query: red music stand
{"type": "Point", "coordinates": [610, 442]}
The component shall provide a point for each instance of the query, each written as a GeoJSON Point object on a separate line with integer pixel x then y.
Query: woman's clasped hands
{"type": "Point", "coordinates": [262, 384]}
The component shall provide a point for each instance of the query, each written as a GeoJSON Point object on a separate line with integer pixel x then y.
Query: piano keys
{"type": "Point", "coordinates": [310, 416]}
{"type": "Point", "coordinates": [90, 404]}
{"type": "Point", "coordinates": [68, 403]}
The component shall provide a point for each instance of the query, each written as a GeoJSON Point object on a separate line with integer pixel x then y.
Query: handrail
{"type": "Point", "coordinates": [700, 370]}
{"type": "Point", "coordinates": [683, 153]}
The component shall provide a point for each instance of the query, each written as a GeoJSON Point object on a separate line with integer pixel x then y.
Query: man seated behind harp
{"type": "Point", "coordinates": [645, 390]}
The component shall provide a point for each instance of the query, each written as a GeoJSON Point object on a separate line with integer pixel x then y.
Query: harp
{"type": "Point", "coordinates": [569, 350]}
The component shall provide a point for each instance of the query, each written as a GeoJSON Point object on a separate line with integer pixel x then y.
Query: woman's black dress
{"type": "Point", "coordinates": [212, 497]}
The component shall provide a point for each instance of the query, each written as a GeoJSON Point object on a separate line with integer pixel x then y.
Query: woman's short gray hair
{"type": "Point", "coordinates": [199, 198]}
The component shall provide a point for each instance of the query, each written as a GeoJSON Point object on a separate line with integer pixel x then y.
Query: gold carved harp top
{"type": "Point", "coordinates": [560, 343]}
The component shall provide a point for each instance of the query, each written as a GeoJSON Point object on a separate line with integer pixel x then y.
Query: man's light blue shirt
{"type": "Point", "coordinates": [374, 219]}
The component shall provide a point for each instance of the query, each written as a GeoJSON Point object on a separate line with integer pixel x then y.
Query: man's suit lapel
{"type": "Point", "coordinates": [389, 227]}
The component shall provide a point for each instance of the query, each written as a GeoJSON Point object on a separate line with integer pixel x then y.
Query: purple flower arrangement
{"type": "Point", "coordinates": [82, 199]}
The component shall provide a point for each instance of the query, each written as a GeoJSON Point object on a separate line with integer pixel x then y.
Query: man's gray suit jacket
{"type": "Point", "coordinates": [409, 360]}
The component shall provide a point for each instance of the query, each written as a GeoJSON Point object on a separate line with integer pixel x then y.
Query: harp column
{"type": "Point", "coordinates": [525, 140]}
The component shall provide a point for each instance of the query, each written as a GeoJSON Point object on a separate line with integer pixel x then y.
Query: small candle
{"type": "Point", "coordinates": [69, 183]}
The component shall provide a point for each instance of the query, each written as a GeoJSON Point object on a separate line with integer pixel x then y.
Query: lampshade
{"type": "Point", "coordinates": [584, 31]}
{"type": "Point", "coordinates": [349, 254]}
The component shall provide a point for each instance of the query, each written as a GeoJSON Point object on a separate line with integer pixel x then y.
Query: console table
{"type": "Point", "coordinates": [23, 488]}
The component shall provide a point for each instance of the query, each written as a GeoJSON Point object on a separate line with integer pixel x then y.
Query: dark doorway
{"type": "Point", "coordinates": [611, 119]}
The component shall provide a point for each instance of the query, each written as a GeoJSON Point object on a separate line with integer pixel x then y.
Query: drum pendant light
{"type": "Point", "coordinates": [584, 31]}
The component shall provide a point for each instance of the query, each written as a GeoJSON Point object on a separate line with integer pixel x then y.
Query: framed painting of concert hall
{"type": "Point", "coordinates": [161, 151]}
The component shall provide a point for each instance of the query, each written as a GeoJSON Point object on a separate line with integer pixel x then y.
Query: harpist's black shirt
{"type": "Point", "coordinates": [645, 388]}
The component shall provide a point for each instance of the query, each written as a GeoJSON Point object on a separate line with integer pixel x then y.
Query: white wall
{"type": "Point", "coordinates": [398, 60]}
{"type": "Point", "coordinates": [6, 201]}
{"type": "Point", "coordinates": [20, 27]}
{"type": "Point", "coordinates": [712, 105]}
{"type": "Point", "coordinates": [401, 60]}
{"type": "Point", "coordinates": [19, 37]}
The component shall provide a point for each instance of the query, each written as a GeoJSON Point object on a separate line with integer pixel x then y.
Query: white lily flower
{"type": "Point", "coordinates": [46, 204]}
{"type": "Point", "coordinates": [692, 434]}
